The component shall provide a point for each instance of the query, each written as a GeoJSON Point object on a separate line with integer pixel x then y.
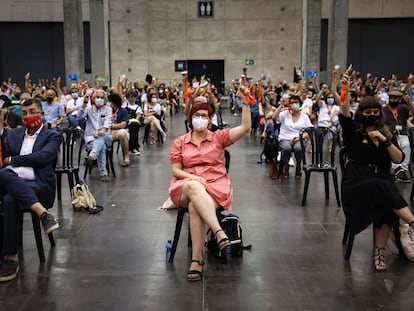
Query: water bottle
{"type": "Point", "coordinates": [168, 248]}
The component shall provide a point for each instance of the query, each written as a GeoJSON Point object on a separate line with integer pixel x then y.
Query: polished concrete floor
{"type": "Point", "coordinates": [116, 260]}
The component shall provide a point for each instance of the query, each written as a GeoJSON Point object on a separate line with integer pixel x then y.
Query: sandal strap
{"type": "Point", "coordinates": [215, 233]}
{"type": "Point", "coordinates": [200, 262]}
{"type": "Point", "coordinates": [223, 243]}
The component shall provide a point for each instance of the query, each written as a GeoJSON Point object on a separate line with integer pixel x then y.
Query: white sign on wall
{"type": "Point", "coordinates": [205, 9]}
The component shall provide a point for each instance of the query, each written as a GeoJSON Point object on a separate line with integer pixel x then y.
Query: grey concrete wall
{"type": "Point", "coordinates": [147, 36]}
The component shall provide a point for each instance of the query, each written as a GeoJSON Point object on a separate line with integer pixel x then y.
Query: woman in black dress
{"type": "Point", "coordinates": [369, 193]}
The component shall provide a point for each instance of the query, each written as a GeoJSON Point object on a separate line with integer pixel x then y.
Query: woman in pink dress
{"type": "Point", "coordinates": [200, 179]}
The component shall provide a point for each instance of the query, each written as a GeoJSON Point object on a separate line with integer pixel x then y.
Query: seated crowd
{"type": "Point", "coordinates": [321, 105]}
{"type": "Point", "coordinates": [103, 114]}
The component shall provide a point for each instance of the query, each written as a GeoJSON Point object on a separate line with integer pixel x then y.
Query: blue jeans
{"type": "Point", "coordinates": [75, 121]}
{"type": "Point", "coordinates": [98, 148]}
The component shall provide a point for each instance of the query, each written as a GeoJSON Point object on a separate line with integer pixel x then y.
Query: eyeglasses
{"type": "Point", "coordinates": [201, 115]}
{"type": "Point", "coordinates": [101, 97]}
{"type": "Point", "coordinates": [30, 113]}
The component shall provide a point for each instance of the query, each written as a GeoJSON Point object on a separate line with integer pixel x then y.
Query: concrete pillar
{"type": "Point", "coordinates": [338, 35]}
{"type": "Point", "coordinates": [311, 35]}
{"type": "Point", "coordinates": [98, 12]}
{"type": "Point", "coordinates": [73, 39]}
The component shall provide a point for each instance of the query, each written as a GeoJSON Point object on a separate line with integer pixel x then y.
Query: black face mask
{"type": "Point", "coordinates": [49, 99]}
{"type": "Point", "coordinates": [371, 119]}
{"type": "Point", "coordinates": [393, 104]}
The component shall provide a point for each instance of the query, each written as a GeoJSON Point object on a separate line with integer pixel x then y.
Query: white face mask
{"type": "Point", "coordinates": [199, 123]}
{"type": "Point", "coordinates": [295, 107]}
{"type": "Point", "coordinates": [154, 100]}
{"type": "Point", "coordinates": [100, 101]}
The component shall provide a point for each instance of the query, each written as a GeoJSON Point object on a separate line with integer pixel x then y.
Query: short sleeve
{"type": "Point", "coordinates": [176, 155]}
{"type": "Point", "coordinates": [61, 111]}
{"type": "Point", "coordinates": [223, 137]}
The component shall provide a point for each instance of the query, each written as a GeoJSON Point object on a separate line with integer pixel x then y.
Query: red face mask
{"type": "Point", "coordinates": [32, 122]}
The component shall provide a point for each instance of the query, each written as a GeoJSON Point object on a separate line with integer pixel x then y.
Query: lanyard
{"type": "Point", "coordinates": [329, 109]}
{"type": "Point", "coordinates": [394, 113]}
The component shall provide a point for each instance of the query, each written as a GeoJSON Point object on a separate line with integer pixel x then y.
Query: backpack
{"type": "Point", "coordinates": [83, 199]}
{"type": "Point", "coordinates": [231, 225]}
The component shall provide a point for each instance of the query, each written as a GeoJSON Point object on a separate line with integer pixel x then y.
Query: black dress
{"type": "Point", "coordinates": [368, 189]}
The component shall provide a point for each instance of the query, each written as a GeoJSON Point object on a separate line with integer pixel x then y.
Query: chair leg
{"type": "Point", "coordinates": [110, 162]}
{"type": "Point", "coordinates": [76, 174]}
{"type": "Point", "coordinates": [326, 179]}
{"type": "Point", "coordinates": [349, 246]}
{"type": "Point", "coordinates": [346, 234]}
{"type": "Point", "coordinates": [180, 216]}
{"type": "Point", "coordinates": [51, 239]}
{"type": "Point", "coordinates": [412, 192]}
{"type": "Point", "coordinates": [305, 190]}
{"type": "Point", "coordinates": [38, 236]}
{"type": "Point", "coordinates": [59, 186]}
{"type": "Point", "coordinates": [335, 182]}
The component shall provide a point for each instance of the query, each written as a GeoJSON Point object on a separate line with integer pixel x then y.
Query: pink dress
{"type": "Point", "coordinates": [205, 161]}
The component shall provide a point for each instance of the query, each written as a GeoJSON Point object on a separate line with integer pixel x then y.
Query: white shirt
{"type": "Point", "coordinates": [26, 172]}
{"type": "Point", "coordinates": [307, 106]}
{"type": "Point", "coordinates": [72, 103]}
{"type": "Point", "coordinates": [290, 129]}
{"type": "Point", "coordinates": [326, 112]}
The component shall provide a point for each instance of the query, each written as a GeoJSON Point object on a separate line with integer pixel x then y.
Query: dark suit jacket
{"type": "Point", "coordinates": [42, 159]}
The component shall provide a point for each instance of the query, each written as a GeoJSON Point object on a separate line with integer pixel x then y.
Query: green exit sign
{"type": "Point", "coordinates": [250, 62]}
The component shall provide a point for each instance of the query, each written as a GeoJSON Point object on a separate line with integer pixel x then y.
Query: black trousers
{"type": "Point", "coordinates": [133, 128]}
{"type": "Point", "coordinates": [18, 194]}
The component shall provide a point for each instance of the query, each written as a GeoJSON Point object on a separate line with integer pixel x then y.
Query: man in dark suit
{"type": "Point", "coordinates": [27, 180]}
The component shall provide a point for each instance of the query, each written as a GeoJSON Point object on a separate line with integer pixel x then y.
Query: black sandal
{"type": "Point", "coordinates": [198, 274]}
{"type": "Point", "coordinates": [225, 248]}
{"type": "Point", "coordinates": [223, 242]}
{"type": "Point", "coordinates": [379, 260]}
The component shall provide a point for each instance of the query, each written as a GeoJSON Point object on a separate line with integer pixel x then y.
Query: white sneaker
{"type": "Point", "coordinates": [135, 152]}
{"type": "Point", "coordinates": [291, 162]}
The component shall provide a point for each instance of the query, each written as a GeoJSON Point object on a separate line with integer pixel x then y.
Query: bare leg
{"type": "Point", "coordinates": [38, 208]}
{"type": "Point", "coordinates": [123, 139]}
{"type": "Point", "coordinates": [405, 214]}
{"type": "Point", "coordinates": [202, 210]}
{"type": "Point", "coordinates": [198, 230]}
{"type": "Point", "coordinates": [157, 124]}
{"type": "Point", "coordinates": [381, 238]}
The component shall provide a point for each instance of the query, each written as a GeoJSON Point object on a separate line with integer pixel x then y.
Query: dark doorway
{"type": "Point", "coordinates": [214, 69]}
{"type": "Point", "coordinates": [378, 46]}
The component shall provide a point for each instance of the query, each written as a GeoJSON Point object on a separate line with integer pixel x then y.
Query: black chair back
{"type": "Point", "coordinates": [69, 138]}
{"type": "Point", "coordinates": [65, 162]}
{"type": "Point", "coordinates": [322, 159]}
{"type": "Point", "coordinates": [318, 137]}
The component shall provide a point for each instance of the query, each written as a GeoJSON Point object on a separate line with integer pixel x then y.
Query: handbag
{"type": "Point", "coordinates": [407, 240]}
{"type": "Point", "coordinates": [83, 199]}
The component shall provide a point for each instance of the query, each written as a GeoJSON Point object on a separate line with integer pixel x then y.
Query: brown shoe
{"type": "Point", "coordinates": [286, 172]}
{"type": "Point", "coordinates": [298, 174]}
{"type": "Point", "coordinates": [273, 171]}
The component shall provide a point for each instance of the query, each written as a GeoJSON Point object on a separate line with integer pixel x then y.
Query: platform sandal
{"type": "Point", "coordinates": [379, 260]}
{"type": "Point", "coordinates": [225, 248]}
{"type": "Point", "coordinates": [195, 275]}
